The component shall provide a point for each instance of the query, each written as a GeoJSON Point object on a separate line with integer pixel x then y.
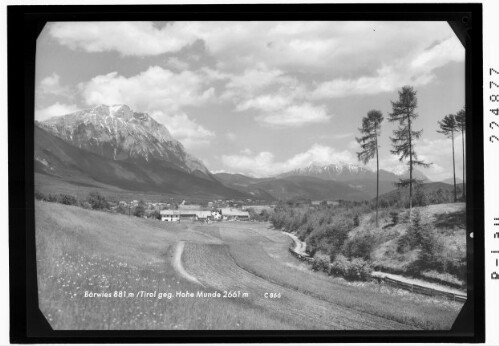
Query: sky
{"type": "Point", "coordinates": [261, 98]}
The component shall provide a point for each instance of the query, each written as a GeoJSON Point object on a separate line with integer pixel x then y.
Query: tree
{"type": "Point", "coordinates": [97, 201]}
{"type": "Point", "coordinates": [461, 124]}
{"type": "Point", "coordinates": [404, 112]}
{"type": "Point", "coordinates": [370, 131]}
{"type": "Point", "coordinates": [448, 126]}
{"type": "Point", "coordinates": [140, 209]}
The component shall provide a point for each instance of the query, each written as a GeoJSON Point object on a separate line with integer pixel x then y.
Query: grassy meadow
{"type": "Point", "coordinates": [82, 250]}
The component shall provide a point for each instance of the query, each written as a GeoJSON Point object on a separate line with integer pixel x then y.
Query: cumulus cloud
{"type": "Point", "coordinates": [51, 85]}
{"type": "Point", "coordinates": [187, 131]}
{"type": "Point", "coordinates": [318, 46]}
{"type": "Point", "coordinates": [264, 164]}
{"type": "Point", "coordinates": [438, 152]}
{"type": "Point", "coordinates": [295, 115]}
{"type": "Point", "coordinates": [159, 92]}
{"type": "Point", "coordinates": [418, 71]}
{"type": "Point", "coordinates": [57, 109]}
{"type": "Point", "coordinates": [127, 38]}
{"type": "Point", "coordinates": [154, 89]}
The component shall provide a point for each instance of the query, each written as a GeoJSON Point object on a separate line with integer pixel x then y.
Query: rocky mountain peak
{"type": "Point", "coordinates": [120, 133]}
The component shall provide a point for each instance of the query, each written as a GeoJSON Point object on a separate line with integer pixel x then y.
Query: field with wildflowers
{"type": "Point", "coordinates": [81, 250]}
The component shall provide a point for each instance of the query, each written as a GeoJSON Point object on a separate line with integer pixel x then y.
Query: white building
{"type": "Point", "coordinates": [170, 215]}
{"type": "Point", "coordinates": [234, 214]}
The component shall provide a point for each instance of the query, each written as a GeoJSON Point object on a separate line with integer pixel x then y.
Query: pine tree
{"type": "Point", "coordinates": [404, 112]}
{"type": "Point", "coordinates": [461, 124]}
{"type": "Point", "coordinates": [448, 126]}
{"type": "Point", "coordinates": [370, 131]}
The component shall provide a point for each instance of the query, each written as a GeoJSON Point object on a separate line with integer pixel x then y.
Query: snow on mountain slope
{"type": "Point", "coordinates": [119, 133]}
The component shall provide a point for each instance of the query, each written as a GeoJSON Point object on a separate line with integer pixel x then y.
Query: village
{"type": "Point", "coordinates": [216, 210]}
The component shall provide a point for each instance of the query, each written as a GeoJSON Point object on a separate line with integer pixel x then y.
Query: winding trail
{"type": "Point", "coordinates": [300, 246]}
{"type": "Point", "coordinates": [177, 264]}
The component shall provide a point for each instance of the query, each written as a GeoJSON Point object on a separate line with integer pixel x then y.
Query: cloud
{"type": "Point", "coordinates": [438, 152]}
{"type": "Point", "coordinates": [343, 136]}
{"type": "Point", "coordinates": [264, 163]}
{"type": "Point", "coordinates": [231, 136]}
{"type": "Point", "coordinates": [57, 109]}
{"type": "Point", "coordinates": [417, 72]}
{"type": "Point", "coordinates": [177, 64]}
{"type": "Point", "coordinates": [152, 90]}
{"type": "Point", "coordinates": [313, 46]}
{"type": "Point", "coordinates": [295, 115]}
{"type": "Point", "coordinates": [127, 38]}
{"type": "Point", "coordinates": [267, 103]}
{"type": "Point", "coordinates": [159, 92]}
{"type": "Point", "coordinates": [187, 131]}
{"type": "Point", "coordinates": [51, 85]}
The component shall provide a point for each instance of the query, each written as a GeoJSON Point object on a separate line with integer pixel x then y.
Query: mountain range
{"type": "Point", "coordinates": [118, 146]}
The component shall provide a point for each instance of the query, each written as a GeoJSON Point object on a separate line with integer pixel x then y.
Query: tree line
{"type": "Point", "coordinates": [404, 138]}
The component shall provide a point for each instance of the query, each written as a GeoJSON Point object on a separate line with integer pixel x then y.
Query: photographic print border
{"type": "Point", "coordinates": [24, 25]}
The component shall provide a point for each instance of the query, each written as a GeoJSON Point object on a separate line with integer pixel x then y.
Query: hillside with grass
{"type": "Point", "coordinates": [81, 250]}
{"type": "Point", "coordinates": [345, 240]}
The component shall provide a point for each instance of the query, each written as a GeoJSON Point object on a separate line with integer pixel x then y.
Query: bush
{"type": "Point", "coordinates": [359, 246]}
{"type": "Point", "coordinates": [395, 217]}
{"type": "Point", "coordinates": [320, 264]}
{"type": "Point", "coordinates": [356, 269]}
{"type": "Point", "coordinates": [67, 199]}
{"type": "Point", "coordinates": [97, 201]}
{"type": "Point", "coordinates": [52, 198]}
{"type": "Point", "coordinates": [356, 220]}
{"type": "Point", "coordinates": [40, 196]}
{"type": "Point", "coordinates": [155, 215]}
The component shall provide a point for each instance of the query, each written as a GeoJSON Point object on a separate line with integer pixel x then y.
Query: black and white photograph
{"type": "Point", "coordinates": [250, 175]}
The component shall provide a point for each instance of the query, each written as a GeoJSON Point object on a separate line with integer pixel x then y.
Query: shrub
{"type": "Point", "coordinates": [356, 220]}
{"type": "Point", "coordinates": [356, 269]}
{"type": "Point", "coordinates": [339, 267]}
{"type": "Point", "coordinates": [320, 264]}
{"type": "Point", "coordinates": [359, 270]}
{"type": "Point", "coordinates": [359, 246]}
{"type": "Point", "coordinates": [97, 201]}
{"type": "Point", "coordinates": [395, 217]}
{"type": "Point", "coordinates": [155, 215]}
{"type": "Point", "coordinates": [40, 196]}
{"type": "Point", "coordinates": [52, 198]}
{"type": "Point", "coordinates": [67, 199]}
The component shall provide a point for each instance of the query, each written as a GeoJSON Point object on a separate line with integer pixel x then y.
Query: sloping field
{"type": "Point", "coordinates": [82, 251]}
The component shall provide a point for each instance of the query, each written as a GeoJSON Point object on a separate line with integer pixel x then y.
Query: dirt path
{"type": "Point", "coordinates": [300, 246]}
{"type": "Point", "coordinates": [177, 264]}
{"type": "Point", "coordinates": [419, 282]}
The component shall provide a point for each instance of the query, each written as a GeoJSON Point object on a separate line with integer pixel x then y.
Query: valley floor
{"type": "Point", "coordinates": [81, 251]}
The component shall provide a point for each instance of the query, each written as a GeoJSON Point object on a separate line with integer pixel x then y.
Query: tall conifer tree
{"type": "Point", "coordinates": [448, 127]}
{"type": "Point", "coordinates": [370, 131]}
{"type": "Point", "coordinates": [461, 124]}
{"type": "Point", "coordinates": [404, 112]}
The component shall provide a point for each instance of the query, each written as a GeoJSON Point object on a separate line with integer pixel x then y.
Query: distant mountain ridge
{"type": "Point", "coordinates": [291, 187]}
{"type": "Point", "coordinates": [118, 146]}
{"type": "Point", "coordinates": [66, 162]}
{"type": "Point", "coordinates": [119, 133]}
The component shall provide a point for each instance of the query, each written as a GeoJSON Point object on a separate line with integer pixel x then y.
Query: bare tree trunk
{"type": "Point", "coordinates": [454, 167]}
{"type": "Point", "coordinates": [410, 171]}
{"type": "Point", "coordinates": [464, 164]}
{"type": "Point", "coordinates": [377, 180]}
